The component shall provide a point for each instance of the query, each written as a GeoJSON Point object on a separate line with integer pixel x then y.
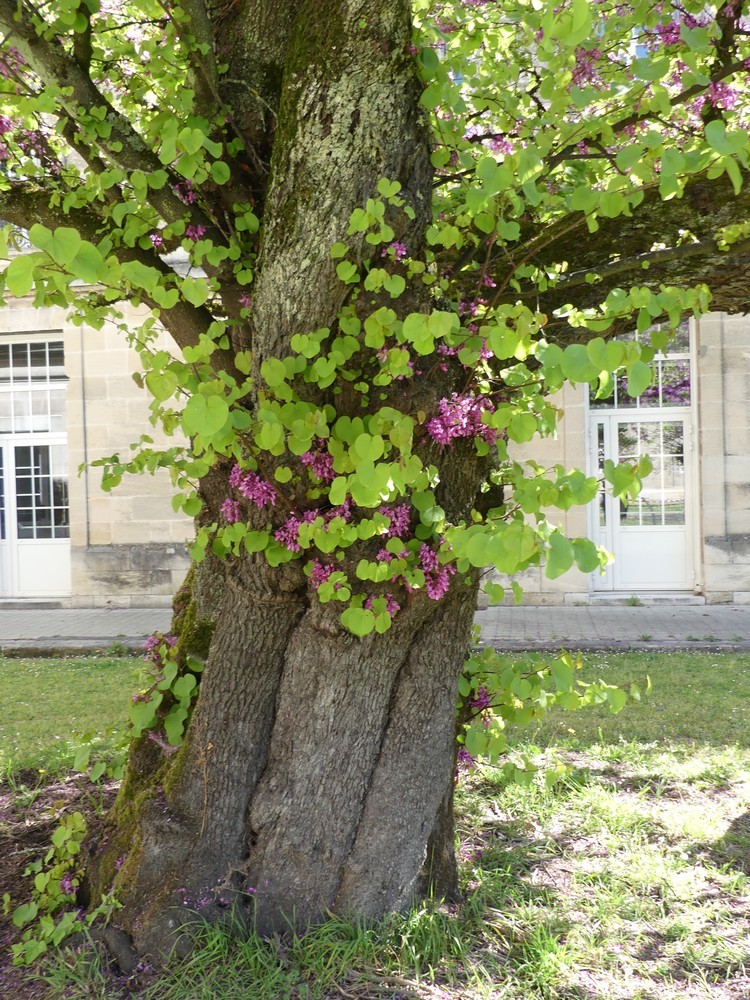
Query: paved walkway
{"type": "Point", "coordinates": [28, 632]}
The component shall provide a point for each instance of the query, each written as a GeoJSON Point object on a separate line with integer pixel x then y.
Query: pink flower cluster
{"type": "Point", "coordinates": [11, 61]}
{"type": "Point", "coordinates": [184, 191]}
{"type": "Point", "coordinates": [230, 511]}
{"type": "Point", "coordinates": [585, 70]}
{"type": "Point", "coordinates": [319, 572]}
{"type": "Point", "coordinates": [391, 604]}
{"type": "Point", "coordinates": [252, 487]}
{"type": "Point", "coordinates": [399, 515]}
{"type": "Point", "coordinates": [668, 34]}
{"type": "Point", "coordinates": [482, 699]}
{"type": "Point", "coordinates": [461, 417]}
{"type": "Point", "coordinates": [288, 534]}
{"type": "Point", "coordinates": [320, 465]}
{"type": "Point", "coordinates": [437, 577]}
{"type": "Point", "coordinates": [153, 644]}
{"type": "Point", "coordinates": [195, 233]}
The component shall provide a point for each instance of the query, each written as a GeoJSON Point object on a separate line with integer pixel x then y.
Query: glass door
{"type": "Point", "coordinates": [649, 537]}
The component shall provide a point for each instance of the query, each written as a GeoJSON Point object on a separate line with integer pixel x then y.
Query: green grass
{"type": "Point", "coordinates": [696, 698]}
{"type": "Point", "coordinates": [627, 878]}
{"type": "Point", "coordinates": [49, 704]}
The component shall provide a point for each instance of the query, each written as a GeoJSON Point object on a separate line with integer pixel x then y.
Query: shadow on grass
{"type": "Point", "coordinates": [732, 851]}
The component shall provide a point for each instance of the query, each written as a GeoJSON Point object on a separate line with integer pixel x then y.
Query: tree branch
{"type": "Point", "coordinates": [183, 321]}
{"type": "Point", "coordinates": [125, 146]}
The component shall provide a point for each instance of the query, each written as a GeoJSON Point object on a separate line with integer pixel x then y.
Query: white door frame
{"type": "Point", "coordinates": [36, 566]}
{"type": "Point", "coordinates": [664, 551]}
{"type": "Point", "coordinates": [608, 535]}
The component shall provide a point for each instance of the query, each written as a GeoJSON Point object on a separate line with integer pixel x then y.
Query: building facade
{"type": "Point", "coordinates": [67, 397]}
{"type": "Point", "coordinates": [688, 534]}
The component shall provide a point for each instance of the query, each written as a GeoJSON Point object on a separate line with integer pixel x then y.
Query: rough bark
{"type": "Point", "coordinates": [317, 769]}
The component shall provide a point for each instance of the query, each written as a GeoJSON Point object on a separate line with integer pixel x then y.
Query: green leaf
{"type": "Point", "coordinates": [220, 172]}
{"type": "Point", "coordinates": [273, 372]}
{"type": "Point", "coordinates": [339, 250]}
{"type": "Point", "coordinates": [347, 272]}
{"type": "Point", "coordinates": [359, 621]}
{"type": "Point", "coordinates": [205, 415]}
{"type": "Point", "coordinates": [576, 364]}
{"type": "Point", "coordinates": [61, 244]}
{"type": "Point", "coordinates": [19, 274]}
{"type": "Point", "coordinates": [639, 378]}
{"type": "Point", "coordinates": [560, 556]}
{"type": "Point", "coordinates": [195, 290]}
{"type": "Point", "coordinates": [725, 143]}
{"type": "Point", "coordinates": [140, 275]}
{"type": "Point", "coordinates": [183, 687]}
{"type": "Point", "coordinates": [174, 724]}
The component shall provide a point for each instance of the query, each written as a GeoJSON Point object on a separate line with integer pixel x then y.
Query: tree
{"type": "Point", "coordinates": [381, 236]}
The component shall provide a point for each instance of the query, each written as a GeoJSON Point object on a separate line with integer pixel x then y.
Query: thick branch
{"type": "Point", "coordinates": [125, 146]}
{"type": "Point", "coordinates": [648, 249]}
{"type": "Point", "coordinates": [183, 321]}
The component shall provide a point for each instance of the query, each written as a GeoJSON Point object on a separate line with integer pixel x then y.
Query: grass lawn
{"type": "Point", "coordinates": [49, 705]}
{"type": "Point", "coordinates": [627, 878]}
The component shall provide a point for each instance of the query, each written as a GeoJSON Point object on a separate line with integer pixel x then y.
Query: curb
{"type": "Point", "coordinates": [618, 646]}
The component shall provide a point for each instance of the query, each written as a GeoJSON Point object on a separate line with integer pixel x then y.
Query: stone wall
{"type": "Point", "coordinates": [127, 546]}
{"type": "Point", "coordinates": [723, 361]}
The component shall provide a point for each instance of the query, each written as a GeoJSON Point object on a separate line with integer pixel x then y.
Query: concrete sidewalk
{"type": "Point", "coordinates": [38, 632]}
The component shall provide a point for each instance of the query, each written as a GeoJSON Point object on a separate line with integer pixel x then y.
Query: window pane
{"type": "Point", "coordinates": [675, 383]}
{"type": "Point", "coordinates": [42, 491]}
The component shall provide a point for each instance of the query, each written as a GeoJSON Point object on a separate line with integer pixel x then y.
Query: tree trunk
{"type": "Point", "coordinates": [316, 773]}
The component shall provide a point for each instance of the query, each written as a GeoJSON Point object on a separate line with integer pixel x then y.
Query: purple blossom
{"type": "Point", "coordinates": [391, 604]}
{"type": "Point", "coordinates": [320, 465]}
{"type": "Point", "coordinates": [252, 487]}
{"type": "Point", "coordinates": [153, 644]}
{"type": "Point", "coordinates": [437, 577]}
{"type": "Point", "coordinates": [66, 886]}
{"type": "Point", "coordinates": [245, 300]}
{"type": "Point", "coordinates": [184, 191]}
{"type": "Point", "coordinates": [585, 70]}
{"type": "Point", "coordinates": [288, 534]}
{"type": "Point", "coordinates": [11, 61]}
{"type": "Point", "coordinates": [465, 760]}
{"type": "Point", "coordinates": [461, 417]}
{"type": "Point", "coordinates": [319, 572]}
{"type": "Point", "coordinates": [482, 699]}
{"type": "Point", "coordinates": [399, 516]}
{"type": "Point", "coordinates": [668, 34]}
{"type": "Point", "coordinates": [194, 233]}
{"type": "Point", "coordinates": [721, 95]}
{"type": "Point", "coordinates": [500, 144]}
{"type": "Point", "coordinates": [344, 511]}
{"type": "Point", "coordinates": [156, 240]}
{"type": "Point", "coordinates": [6, 125]}
{"type": "Point", "coordinates": [230, 511]}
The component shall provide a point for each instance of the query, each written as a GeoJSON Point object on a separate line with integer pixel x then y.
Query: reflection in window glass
{"type": "Point", "coordinates": [42, 491]}
{"type": "Point", "coordinates": [671, 377]}
{"type": "Point", "coordinates": [662, 497]}
{"type": "Point", "coordinates": [30, 399]}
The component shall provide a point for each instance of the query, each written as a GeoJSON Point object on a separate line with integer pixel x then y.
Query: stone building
{"type": "Point", "coordinates": [688, 535]}
{"type": "Point", "coordinates": [67, 397]}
